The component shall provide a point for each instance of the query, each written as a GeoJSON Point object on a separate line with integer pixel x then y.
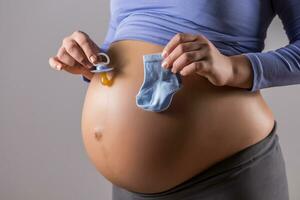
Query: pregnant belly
{"type": "Point", "coordinates": [150, 152]}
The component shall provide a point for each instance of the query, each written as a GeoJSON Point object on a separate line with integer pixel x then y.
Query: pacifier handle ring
{"type": "Point", "coordinates": [106, 56]}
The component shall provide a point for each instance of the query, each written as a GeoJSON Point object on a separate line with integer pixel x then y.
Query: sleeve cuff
{"type": "Point", "coordinates": [257, 71]}
{"type": "Point", "coordinates": [85, 79]}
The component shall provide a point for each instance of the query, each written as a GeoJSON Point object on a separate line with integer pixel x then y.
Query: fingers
{"type": "Point", "coordinates": [187, 58]}
{"type": "Point", "coordinates": [77, 69]}
{"type": "Point", "coordinates": [76, 52]}
{"type": "Point", "coordinates": [55, 63]}
{"type": "Point", "coordinates": [64, 61]}
{"type": "Point", "coordinates": [180, 50]}
{"type": "Point", "coordinates": [65, 57]}
{"type": "Point", "coordinates": [89, 48]}
{"type": "Point", "coordinates": [82, 49]}
{"type": "Point", "coordinates": [176, 40]}
{"type": "Point", "coordinates": [195, 67]}
{"type": "Point", "coordinates": [183, 50]}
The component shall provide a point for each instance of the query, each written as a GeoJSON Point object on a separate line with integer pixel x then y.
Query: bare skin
{"type": "Point", "coordinates": [76, 55]}
{"type": "Point", "coordinates": [151, 152]}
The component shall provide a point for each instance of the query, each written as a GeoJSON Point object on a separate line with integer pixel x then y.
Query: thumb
{"type": "Point", "coordinates": [56, 64]}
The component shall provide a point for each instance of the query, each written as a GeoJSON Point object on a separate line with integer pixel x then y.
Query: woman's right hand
{"type": "Point", "coordinates": [77, 54]}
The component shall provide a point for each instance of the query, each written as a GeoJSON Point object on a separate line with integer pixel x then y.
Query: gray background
{"type": "Point", "coordinates": [41, 151]}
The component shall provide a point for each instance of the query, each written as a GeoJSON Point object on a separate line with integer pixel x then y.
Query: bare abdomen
{"type": "Point", "coordinates": [150, 152]}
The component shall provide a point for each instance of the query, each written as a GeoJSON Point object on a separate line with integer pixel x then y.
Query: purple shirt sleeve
{"type": "Point", "coordinates": [279, 67]}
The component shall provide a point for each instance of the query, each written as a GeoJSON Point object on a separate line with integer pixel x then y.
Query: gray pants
{"type": "Point", "coordinates": [255, 173]}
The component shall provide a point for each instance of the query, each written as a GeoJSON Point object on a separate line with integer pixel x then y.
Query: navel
{"type": "Point", "coordinates": [98, 134]}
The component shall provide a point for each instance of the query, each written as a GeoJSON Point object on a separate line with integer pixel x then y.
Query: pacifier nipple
{"type": "Point", "coordinates": [106, 79]}
{"type": "Point", "coordinates": [104, 71]}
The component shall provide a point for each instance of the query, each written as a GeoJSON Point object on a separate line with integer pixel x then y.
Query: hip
{"type": "Point", "coordinates": [255, 173]}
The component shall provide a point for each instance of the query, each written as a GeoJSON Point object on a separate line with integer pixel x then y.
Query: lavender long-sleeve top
{"type": "Point", "coordinates": [233, 26]}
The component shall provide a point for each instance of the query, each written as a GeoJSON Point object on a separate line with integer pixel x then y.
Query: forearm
{"type": "Point", "coordinates": [279, 67]}
{"type": "Point", "coordinates": [242, 74]}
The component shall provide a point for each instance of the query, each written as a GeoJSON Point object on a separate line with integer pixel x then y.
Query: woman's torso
{"type": "Point", "coordinates": [150, 152]}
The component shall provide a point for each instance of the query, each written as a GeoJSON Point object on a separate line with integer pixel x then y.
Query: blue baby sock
{"type": "Point", "coordinates": [159, 85]}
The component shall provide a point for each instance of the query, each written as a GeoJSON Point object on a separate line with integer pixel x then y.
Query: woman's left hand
{"type": "Point", "coordinates": [187, 54]}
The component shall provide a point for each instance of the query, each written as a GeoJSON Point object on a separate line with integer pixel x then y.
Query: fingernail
{"type": "Point", "coordinates": [58, 67]}
{"type": "Point", "coordinates": [164, 64]}
{"type": "Point", "coordinates": [164, 54]}
{"type": "Point", "coordinates": [93, 59]}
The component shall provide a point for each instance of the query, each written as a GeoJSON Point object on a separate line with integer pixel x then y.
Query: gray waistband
{"type": "Point", "coordinates": [234, 164]}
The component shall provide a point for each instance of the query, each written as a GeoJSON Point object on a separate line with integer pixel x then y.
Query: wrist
{"type": "Point", "coordinates": [242, 74]}
{"type": "Point", "coordinates": [87, 75]}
